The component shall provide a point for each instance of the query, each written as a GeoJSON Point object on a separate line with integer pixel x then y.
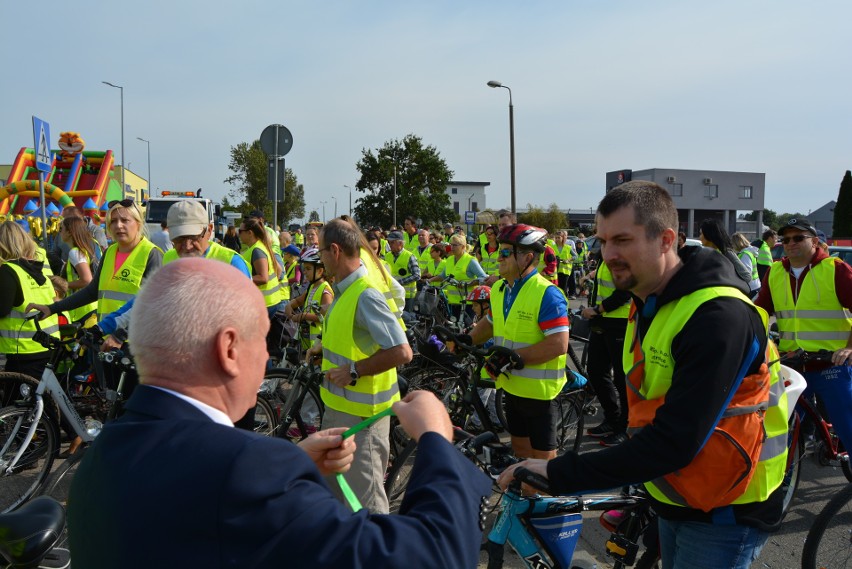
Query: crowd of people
{"type": "Point", "coordinates": [679, 359]}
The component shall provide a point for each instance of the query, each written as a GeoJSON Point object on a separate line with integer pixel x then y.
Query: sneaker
{"type": "Point", "coordinates": [605, 429]}
{"type": "Point", "coordinates": [614, 439]}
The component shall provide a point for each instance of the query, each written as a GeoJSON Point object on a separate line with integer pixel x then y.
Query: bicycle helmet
{"type": "Point", "coordinates": [480, 293]}
{"type": "Point", "coordinates": [524, 236]}
{"type": "Point", "coordinates": [311, 256]}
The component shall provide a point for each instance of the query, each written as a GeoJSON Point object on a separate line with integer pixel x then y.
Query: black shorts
{"type": "Point", "coordinates": [531, 418]}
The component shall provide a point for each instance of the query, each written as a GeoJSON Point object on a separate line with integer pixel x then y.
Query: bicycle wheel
{"type": "Point", "coordinates": [570, 419]}
{"type": "Point", "coordinates": [17, 387]}
{"type": "Point", "coordinates": [32, 468]}
{"type": "Point", "coordinates": [58, 483]}
{"type": "Point", "coordinates": [398, 476]}
{"type": "Point", "coordinates": [829, 542]}
{"type": "Point", "coordinates": [796, 451]}
{"type": "Point", "coordinates": [265, 417]}
{"type": "Point", "coordinates": [301, 414]}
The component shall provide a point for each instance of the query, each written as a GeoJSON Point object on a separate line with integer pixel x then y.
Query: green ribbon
{"type": "Point", "coordinates": [350, 496]}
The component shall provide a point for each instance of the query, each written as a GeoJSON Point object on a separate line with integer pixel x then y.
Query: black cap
{"type": "Point", "coordinates": [257, 214]}
{"type": "Point", "coordinates": [798, 223]}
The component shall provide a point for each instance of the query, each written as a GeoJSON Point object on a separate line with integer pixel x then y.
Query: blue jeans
{"type": "Point", "coordinates": [696, 545]}
{"type": "Point", "coordinates": [834, 387]}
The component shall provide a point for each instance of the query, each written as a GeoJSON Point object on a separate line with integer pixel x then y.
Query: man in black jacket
{"type": "Point", "coordinates": [717, 348]}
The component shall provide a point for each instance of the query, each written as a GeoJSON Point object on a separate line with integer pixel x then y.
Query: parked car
{"type": "Point", "coordinates": [842, 251]}
{"type": "Point", "coordinates": [777, 251]}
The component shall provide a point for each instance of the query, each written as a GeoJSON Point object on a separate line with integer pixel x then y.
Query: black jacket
{"type": "Point", "coordinates": [710, 352]}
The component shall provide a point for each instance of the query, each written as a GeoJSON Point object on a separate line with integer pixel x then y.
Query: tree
{"type": "Point", "coordinates": [421, 175]}
{"type": "Point", "coordinates": [313, 216]}
{"type": "Point", "coordinates": [551, 220]}
{"type": "Point", "coordinates": [249, 165]}
{"type": "Point", "coordinates": [842, 226]}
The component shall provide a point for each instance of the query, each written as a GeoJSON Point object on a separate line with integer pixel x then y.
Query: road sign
{"type": "Point", "coordinates": [41, 138]}
{"type": "Point", "coordinates": [276, 133]}
{"type": "Point", "coordinates": [275, 188]}
{"type": "Point", "coordinates": [469, 217]}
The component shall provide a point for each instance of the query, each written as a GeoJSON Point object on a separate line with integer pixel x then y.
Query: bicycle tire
{"type": "Point", "coordinates": [58, 483]}
{"type": "Point", "coordinates": [11, 392]}
{"type": "Point", "coordinates": [576, 360]}
{"type": "Point", "coordinates": [796, 452]}
{"type": "Point", "coordinates": [265, 417]}
{"type": "Point", "coordinates": [301, 412]}
{"type": "Point", "coordinates": [828, 543]}
{"type": "Point", "coordinates": [34, 465]}
{"type": "Point", "coordinates": [399, 475]}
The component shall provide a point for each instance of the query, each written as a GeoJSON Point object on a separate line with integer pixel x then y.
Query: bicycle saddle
{"type": "Point", "coordinates": [31, 531]}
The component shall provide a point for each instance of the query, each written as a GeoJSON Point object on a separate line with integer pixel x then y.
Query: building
{"type": "Point", "coordinates": [702, 194]}
{"type": "Point", "coordinates": [466, 196]}
{"type": "Point", "coordinates": [823, 218]}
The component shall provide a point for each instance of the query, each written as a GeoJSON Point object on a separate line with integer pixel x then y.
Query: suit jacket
{"type": "Point", "coordinates": [164, 486]}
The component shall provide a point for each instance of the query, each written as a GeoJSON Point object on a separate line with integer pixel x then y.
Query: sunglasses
{"type": "Point", "coordinates": [505, 253]}
{"type": "Point", "coordinates": [796, 238]}
{"type": "Point", "coordinates": [122, 203]}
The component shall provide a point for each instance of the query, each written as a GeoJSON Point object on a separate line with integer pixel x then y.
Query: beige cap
{"type": "Point", "coordinates": [187, 218]}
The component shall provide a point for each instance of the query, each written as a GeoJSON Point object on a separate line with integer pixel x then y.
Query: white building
{"type": "Point", "coordinates": [466, 196]}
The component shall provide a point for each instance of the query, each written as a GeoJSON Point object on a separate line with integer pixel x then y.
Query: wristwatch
{"type": "Point", "coordinates": [599, 309]}
{"type": "Point", "coordinates": [353, 372]}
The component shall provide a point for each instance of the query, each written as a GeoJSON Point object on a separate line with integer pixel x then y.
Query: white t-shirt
{"type": "Point", "coordinates": [75, 257]}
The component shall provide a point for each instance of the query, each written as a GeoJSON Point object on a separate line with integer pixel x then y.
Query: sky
{"type": "Point", "coordinates": [597, 85]}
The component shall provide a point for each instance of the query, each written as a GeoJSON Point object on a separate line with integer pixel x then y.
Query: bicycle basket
{"type": "Point", "coordinates": [581, 329]}
{"type": "Point", "coordinates": [559, 534]}
{"type": "Point", "coordinates": [426, 301]}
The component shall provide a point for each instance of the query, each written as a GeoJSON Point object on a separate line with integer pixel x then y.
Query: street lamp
{"type": "Point", "coordinates": [335, 206]}
{"type": "Point", "coordinates": [495, 85]}
{"type": "Point", "coordinates": [350, 199]}
{"type": "Point", "coordinates": [122, 133]}
{"type": "Point", "coordinates": [323, 210]}
{"type": "Point", "coordinates": [148, 142]}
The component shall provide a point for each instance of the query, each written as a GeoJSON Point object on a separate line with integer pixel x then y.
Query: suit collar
{"type": "Point", "coordinates": [159, 404]}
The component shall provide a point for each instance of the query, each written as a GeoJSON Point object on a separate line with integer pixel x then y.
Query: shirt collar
{"type": "Point", "coordinates": [340, 288]}
{"type": "Point", "coordinates": [215, 415]}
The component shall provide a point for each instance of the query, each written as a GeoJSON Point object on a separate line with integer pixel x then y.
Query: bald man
{"type": "Point", "coordinates": [172, 471]}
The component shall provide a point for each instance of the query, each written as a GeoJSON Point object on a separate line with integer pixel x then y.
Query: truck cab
{"type": "Point", "coordinates": [157, 209]}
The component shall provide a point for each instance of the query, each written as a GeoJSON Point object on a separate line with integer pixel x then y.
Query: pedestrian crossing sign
{"type": "Point", "coordinates": [41, 139]}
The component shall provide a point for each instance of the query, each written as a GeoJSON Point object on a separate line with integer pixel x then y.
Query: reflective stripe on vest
{"type": "Point", "coordinates": [815, 320]}
{"type": "Point", "coordinates": [314, 300]}
{"type": "Point", "coordinates": [564, 258]}
{"type": "Point", "coordinates": [116, 287]}
{"type": "Point", "coordinates": [605, 289]}
{"type": "Point", "coordinates": [76, 314]}
{"type": "Point", "coordinates": [648, 382]}
{"type": "Point", "coordinates": [519, 330]}
{"type": "Point", "coordinates": [423, 258]}
{"type": "Point", "coordinates": [490, 260]}
{"type": "Point", "coordinates": [16, 333]}
{"type": "Point", "coordinates": [764, 255]}
{"type": "Point", "coordinates": [271, 289]}
{"type": "Point", "coordinates": [457, 270]}
{"type": "Point", "coordinates": [371, 393]}
{"type": "Point", "coordinates": [750, 255]}
{"type": "Point", "coordinates": [399, 268]}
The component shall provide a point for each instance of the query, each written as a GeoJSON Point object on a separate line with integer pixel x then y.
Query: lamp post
{"type": "Point", "coordinates": [148, 142]}
{"type": "Point", "coordinates": [122, 133]}
{"type": "Point", "coordinates": [323, 209]}
{"type": "Point", "coordinates": [350, 199]}
{"type": "Point", "coordinates": [335, 205]}
{"type": "Point", "coordinates": [393, 226]}
{"type": "Point", "coordinates": [495, 85]}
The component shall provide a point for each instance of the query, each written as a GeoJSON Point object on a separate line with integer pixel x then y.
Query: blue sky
{"type": "Point", "coordinates": [761, 86]}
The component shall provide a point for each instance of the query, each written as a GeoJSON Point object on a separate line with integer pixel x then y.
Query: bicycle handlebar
{"type": "Point", "coordinates": [499, 459]}
{"type": "Point", "coordinates": [446, 335]}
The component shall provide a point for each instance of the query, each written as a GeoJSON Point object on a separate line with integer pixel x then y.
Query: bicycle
{"type": "Point", "coordinates": [29, 426]}
{"type": "Point", "coordinates": [30, 535]}
{"type": "Point", "coordinates": [544, 530]}
{"type": "Point", "coordinates": [294, 399]}
{"type": "Point", "coordinates": [829, 541]}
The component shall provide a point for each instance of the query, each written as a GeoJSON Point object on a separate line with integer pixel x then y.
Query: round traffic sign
{"type": "Point", "coordinates": [276, 134]}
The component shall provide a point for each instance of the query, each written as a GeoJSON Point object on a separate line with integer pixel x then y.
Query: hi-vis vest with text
{"type": "Point", "coordinates": [519, 330]}
{"type": "Point", "coordinates": [399, 268]}
{"type": "Point", "coordinates": [116, 287]}
{"type": "Point", "coordinates": [371, 393]}
{"type": "Point", "coordinates": [605, 289]}
{"type": "Point", "coordinates": [272, 288]}
{"type": "Point", "coordinates": [815, 320]}
{"type": "Point", "coordinates": [457, 270]}
{"type": "Point", "coordinates": [16, 333]}
{"type": "Point", "coordinates": [76, 314]}
{"type": "Point", "coordinates": [744, 458]}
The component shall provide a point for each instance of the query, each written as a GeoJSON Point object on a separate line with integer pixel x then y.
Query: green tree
{"type": "Point", "coordinates": [842, 226]}
{"type": "Point", "coordinates": [249, 165]}
{"type": "Point", "coordinates": [551, 220]}
{"type": "Point", "coordinates": [313, 216]}
{"type": "Point", "coordinates": [783, 218]}
{"type": "Point", "coordinates": [421, 176]}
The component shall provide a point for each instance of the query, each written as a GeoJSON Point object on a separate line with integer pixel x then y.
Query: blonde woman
{"type": "Point", "coordinates": [78, 268]}
{"type": "Point", "coordinates": [463, 267]}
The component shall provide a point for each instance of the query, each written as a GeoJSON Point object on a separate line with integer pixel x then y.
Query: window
{"type": "Point", "coordinates": [475, 206]}
{"type": "Point", "coordinates": [745, 192]}
{"type": "Point", "coordinates": [456, 207]}
{"type": "Point", "coordinates": [676, 189]}
{"type": "Point", "coordinates": [454, 191]}
{"type": "Point", "coordinates": [711, 192]}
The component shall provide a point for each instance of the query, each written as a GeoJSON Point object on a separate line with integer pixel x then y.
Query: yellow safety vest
{"type": "Point", "coordinates": [815, 320]}
{"type": "Point", "coordinates": [381, 282]}
{"type": "Point", "coordinates": [313, 304]}
{"type": "Point", "coordinates": [436, 269]}
{"type": "Point", "coordinates": [115, 288]}
{"type": "Point", "coordinates": [299, 239]}
{"type": "Point", "coordinates": [489, 260]}
{"type": "Point", "coordinates": [605, 289]}
{"type": "Point", "coordinates": [520, 329]}
{"type": "Point", "coordinates": [423, 257]}
{"type": "Point", "coordinates": [410, 242]}
{"type": "Point", "coordinates": [764, 254]}
{"type": "Point", "coordinates": [16, 334]}
{"type": "Point", "coordinates": [41, 255]}
{"type": "Point", "coordinates": [656, 381]}
{"type": "Point", "coordinates": [564, 258]}
{"type": "Point", "coordinates": [458, 271]}
{"type": "Point", "coordinates": [272, 289]}
{"type": "Point", "coordinates": [399, 268]}
{"type": "Point", "coordinates": [371, 393]}
{"type": "Point", "coordinates": [76, 314]}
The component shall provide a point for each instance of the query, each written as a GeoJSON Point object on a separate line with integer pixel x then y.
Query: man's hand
{"type": "Point", "coordinates": [589, 313]}
{"type": "Point", "coordinates": [329, 451]}
{"type": "Point", "coordinates": [843, 356]}
{"type": "Point", "coordinates": [45, 311]}
{"type": "Point", "coordinates": [491, 280]}
{"type": "Point", "coordinates": [536, 465]}
{"type": "Point", "coordinates": [313, 352]}
{"type": "Point", "coordinates": [421, 412]}
{"type": "Point", "coordinates": [339, 376]}
{"type": "Point", "coordinates": [110, 343]}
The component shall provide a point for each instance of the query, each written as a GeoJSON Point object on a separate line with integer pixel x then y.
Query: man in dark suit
{"type": "Point", "coordinates": [173, 484]}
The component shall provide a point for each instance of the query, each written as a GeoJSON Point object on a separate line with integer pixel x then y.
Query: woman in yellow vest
{"type": "Point", "coordinates": [487, 252]}
{"type": "Point", "coordinates": [314, 302]}
{"type": "Point", "coordinates": [264, 265]}
{"type": "Point", "coordinates": [463, 267]}
{"type": "Point", "coordinates": [78, 268]}
{"type": "Point", "coordinates": [437, 263]}
{"type": "Point", "coordinates": [22, 282]}
{"type": "Point", "coordinates": [125, 264]}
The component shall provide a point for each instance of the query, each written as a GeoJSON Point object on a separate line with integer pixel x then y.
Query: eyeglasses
{"type": "Point", "coordinates": [179, 242]}
{"type": "Point", "coordinates": [796, 238]}
{"type": "Point", "coordinates": [122, 203]}
{"type": "Point", "coordinates": [505, 253]}
{"type": "Point", "coordinates": [320, 250]}
{"type": "Point", "coordinates": [243, 230]}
